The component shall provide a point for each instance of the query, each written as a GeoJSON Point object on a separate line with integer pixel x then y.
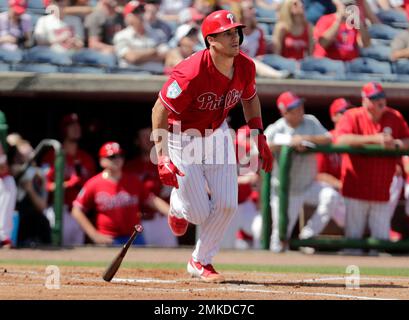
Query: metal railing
{"type": "Point", "coordinates": [322, 242]}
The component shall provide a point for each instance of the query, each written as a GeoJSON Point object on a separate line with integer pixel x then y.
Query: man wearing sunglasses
{"type": "Point", "coordinates": [116, 197]}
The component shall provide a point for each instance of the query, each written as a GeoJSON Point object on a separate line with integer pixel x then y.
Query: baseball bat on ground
{"type": "Point", "coordinates": [114, 266]}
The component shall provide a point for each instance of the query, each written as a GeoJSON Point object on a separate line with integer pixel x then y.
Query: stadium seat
{"type": "Point", "coordinates": [280, 63]}
{"type": "Point", "coordinates": [11, 56]}
{"type": "Point", "coordinates": [34, 17]}
{"type": "Point", "coordinates": [4, 5]}
{"type": "Point", "coordinates": [401, 67]}
{"type": "Point", "coordinates": [4, 67]}
{"type": "Point", "coordinates": [36, 6]}
{"type": "Point", "coordinates": [94, 58]}
{"type": "Point", "coordinates": [368, 65]}
{"type": "Point", "coordinates": [394, 18]}
{"type": "Point", "coordinates": [377, 52]}
{"type": "Point", "coordinates": [382, 32]}
{"type": "Point", "coordinates": [42, 54]}
{"type": "Point", "coordinates": [137, 71]}
{"type": "Point", "coordinates": [36, 67]}
{"type": "Point", "coordinates": [322, 68]}
{"type": "Point", "coordinates": [81, 69]}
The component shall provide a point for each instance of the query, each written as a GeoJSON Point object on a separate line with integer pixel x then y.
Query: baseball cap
{"type": "Point", "coordinates": [339, 105]}
{"type": "Point", "coordinates": [133, 7]}
{"type": "Point", "coordinates": [69, 119]}
{"type": "Point", "coordinates": [373, 90]}
{"type": "Point", "coordinates": [288, 101]}
{"type": "Point", "coordinates": [190, 15]}
{"type": "Point", "coordinates": [109, 149]}
{"type": "Point", "coordinates": [19, 6]}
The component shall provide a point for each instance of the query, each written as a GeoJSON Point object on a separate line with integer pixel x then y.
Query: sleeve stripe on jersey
{"type": "Point", "coordinates": [167, 106]}
{"type": "Point", "coordinates": [246, 99]}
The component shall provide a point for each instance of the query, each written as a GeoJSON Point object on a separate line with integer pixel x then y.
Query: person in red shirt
{"type": "Point", "coordinates": [191, 113]}
{"type": "Point", "coordinates": [293, 34]}
{"type": "Point", "coordinates": [366, 180]}
{"type": "Point", "coordinates": [116, 197]}
{"type": "Point", "coordinates": [329, 164]}
{"type": "Point", "coordinates": [337, 40]}
{"type": "Point", "coordinates": [155, 224]}
{"type": "Point", "coordinates": [79, 167]}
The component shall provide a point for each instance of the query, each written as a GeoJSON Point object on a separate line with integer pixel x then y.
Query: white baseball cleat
{"type": "Point", "coordinates": [206, 273]}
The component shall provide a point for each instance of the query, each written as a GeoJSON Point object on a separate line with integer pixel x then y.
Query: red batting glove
{"type": "Point", "coordinates": [265, 153]}
{"type": "Point", "coordinates": [168, 171]}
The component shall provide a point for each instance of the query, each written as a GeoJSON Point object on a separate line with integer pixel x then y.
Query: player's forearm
{"type": "Point", "coordinates": [329, 179]}
{"type": "Point", "coordinates": [159, 205]}
{"type": "Point", "coordinates": [251, 108]}
{"type": "Point", "coordinates": [160, 128]}
{"type": "Point", "coordinates": [318, 139]}
{"type": "Point", "coordinates": [329, 36]}
{"type": "Point", "coordinates": [84, 223]}
{"type": "Point", "coordinates": [356, 140]}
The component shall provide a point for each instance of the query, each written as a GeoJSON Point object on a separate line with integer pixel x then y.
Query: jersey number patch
{"type": "Point", "coordinates": [174, 90]}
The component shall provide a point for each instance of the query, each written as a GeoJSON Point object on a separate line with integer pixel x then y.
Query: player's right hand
{"type": "Point", "coordinates": [168, 171]}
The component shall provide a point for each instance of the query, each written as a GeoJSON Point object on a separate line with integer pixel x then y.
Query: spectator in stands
{"type": "Point", "coordinates": [58, 31]}
{"type": "Point", "coordinates": [136, 45]}
{"type": "Point", "coordinates": [206, 7]}
{"type": "Point", "coordinates": [335, 39]}
{"type": "Point", "coordinates": [151, 19]}
{"type": "Point", "coordinates": [79, 167]}
{"type": "Point", "coordinates": [102, 24]}
{"type": "Point", "coordinates": [33, 227]}
{"type": "Point", "coordinates": [315, 9]}
{"type": "Point", "coordinates": [15, 26]}
{"type": "Point", "coordinates": [254, 44]}
{"type": "Point", "coordinates": [187, 39]}
{"type": "Point", "coordinates": [8, 193]}
{"type": "Point", "coordinates": [116, 196]}
{"type": "Point", "coordinates": [156, 229]}
{"type": "Point", "coordinates": [400, 46]}
{"type": "Point", "coordinates": [169, 10]}
{"type": "Point", "coordinates": [366, 181]}
{"type": "Point", "coordinates": [293, 34]}
{"type": "Point", "coordinates": [79, 8]}
{"type": "Point", "coordinates": [298, 130]}
{"type": "Point", "coordinates": [267, 7]}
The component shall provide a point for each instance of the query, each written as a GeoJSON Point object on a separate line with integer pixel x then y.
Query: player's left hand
{"type": "Point", "coordinates": [168, 172]}
{"type": "Point", "coordinates": [265, 153]}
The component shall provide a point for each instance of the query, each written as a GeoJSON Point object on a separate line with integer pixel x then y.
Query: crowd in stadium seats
{"type": "Point", "coordinates": [309, 39]}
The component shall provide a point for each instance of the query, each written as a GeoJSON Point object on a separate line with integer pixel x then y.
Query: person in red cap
{"type": "Point", "coordinates": [15, 26]}
{"type": "Point", "coordinates": [366, 180]}
{"type": "Point", "coordinates": [116, 197]}
{"type": "Point", "coordinates": [79, 167]}
{"type": "Point", "coordinates": [137, 45]}
{"type": "Point", "coordinates": [299, 130]}
{"type": "Point", "coordinates": [192, 108]}
{"type": "Point", "coordinates": [329, 164]}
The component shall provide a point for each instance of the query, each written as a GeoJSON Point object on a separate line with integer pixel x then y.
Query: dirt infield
{"type": "Point", "coordinates": [23, 276]}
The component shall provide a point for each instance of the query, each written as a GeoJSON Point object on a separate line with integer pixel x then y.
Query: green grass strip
{"type": "Point", "coordinates": [367, 271]}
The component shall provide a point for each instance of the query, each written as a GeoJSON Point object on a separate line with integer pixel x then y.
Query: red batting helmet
{"type": "Point", "coordinates": [109, 149]}
{"type": "Point", "coordinates": [218, 22]}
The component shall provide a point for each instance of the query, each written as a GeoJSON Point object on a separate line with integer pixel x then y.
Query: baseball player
{"type": "Point", "coordinates": [116, 197]}
{"type": "Point", "coordinates": [190, 116]}
{"type": "Point", "coordinates": [366, 180]}
{"type": "Point", "coordinates": [296, 129]}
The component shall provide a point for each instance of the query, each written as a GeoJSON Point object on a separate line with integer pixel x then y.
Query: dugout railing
{"type": "Point", "coordinates": [320, 242]}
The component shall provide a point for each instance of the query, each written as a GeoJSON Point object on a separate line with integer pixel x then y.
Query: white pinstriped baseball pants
{"type": "Point", "coordinates": [8, 193]}
{"type": "Point", "coordinates": [208, 193]}
{"type": "Point", "coordinates": [359, 212]}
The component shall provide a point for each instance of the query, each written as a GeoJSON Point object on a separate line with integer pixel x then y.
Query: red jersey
{"type": "Point", "coordinates": [295, 47]}
{"type": "Point", "coordinates": [329, 162]}
{"type": "Point", "coordinates": [116, 203]}
{"type": "Point", "coordinates": [81, 165]}
{"type": "Point", "coordinates": [367, 177]}
{"type": "Point", "coordinates": [200, 96]}
{"type": "Point", "coordinates": [345, 45]}
{"type": "Point", "coordinates": [148, 174]}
